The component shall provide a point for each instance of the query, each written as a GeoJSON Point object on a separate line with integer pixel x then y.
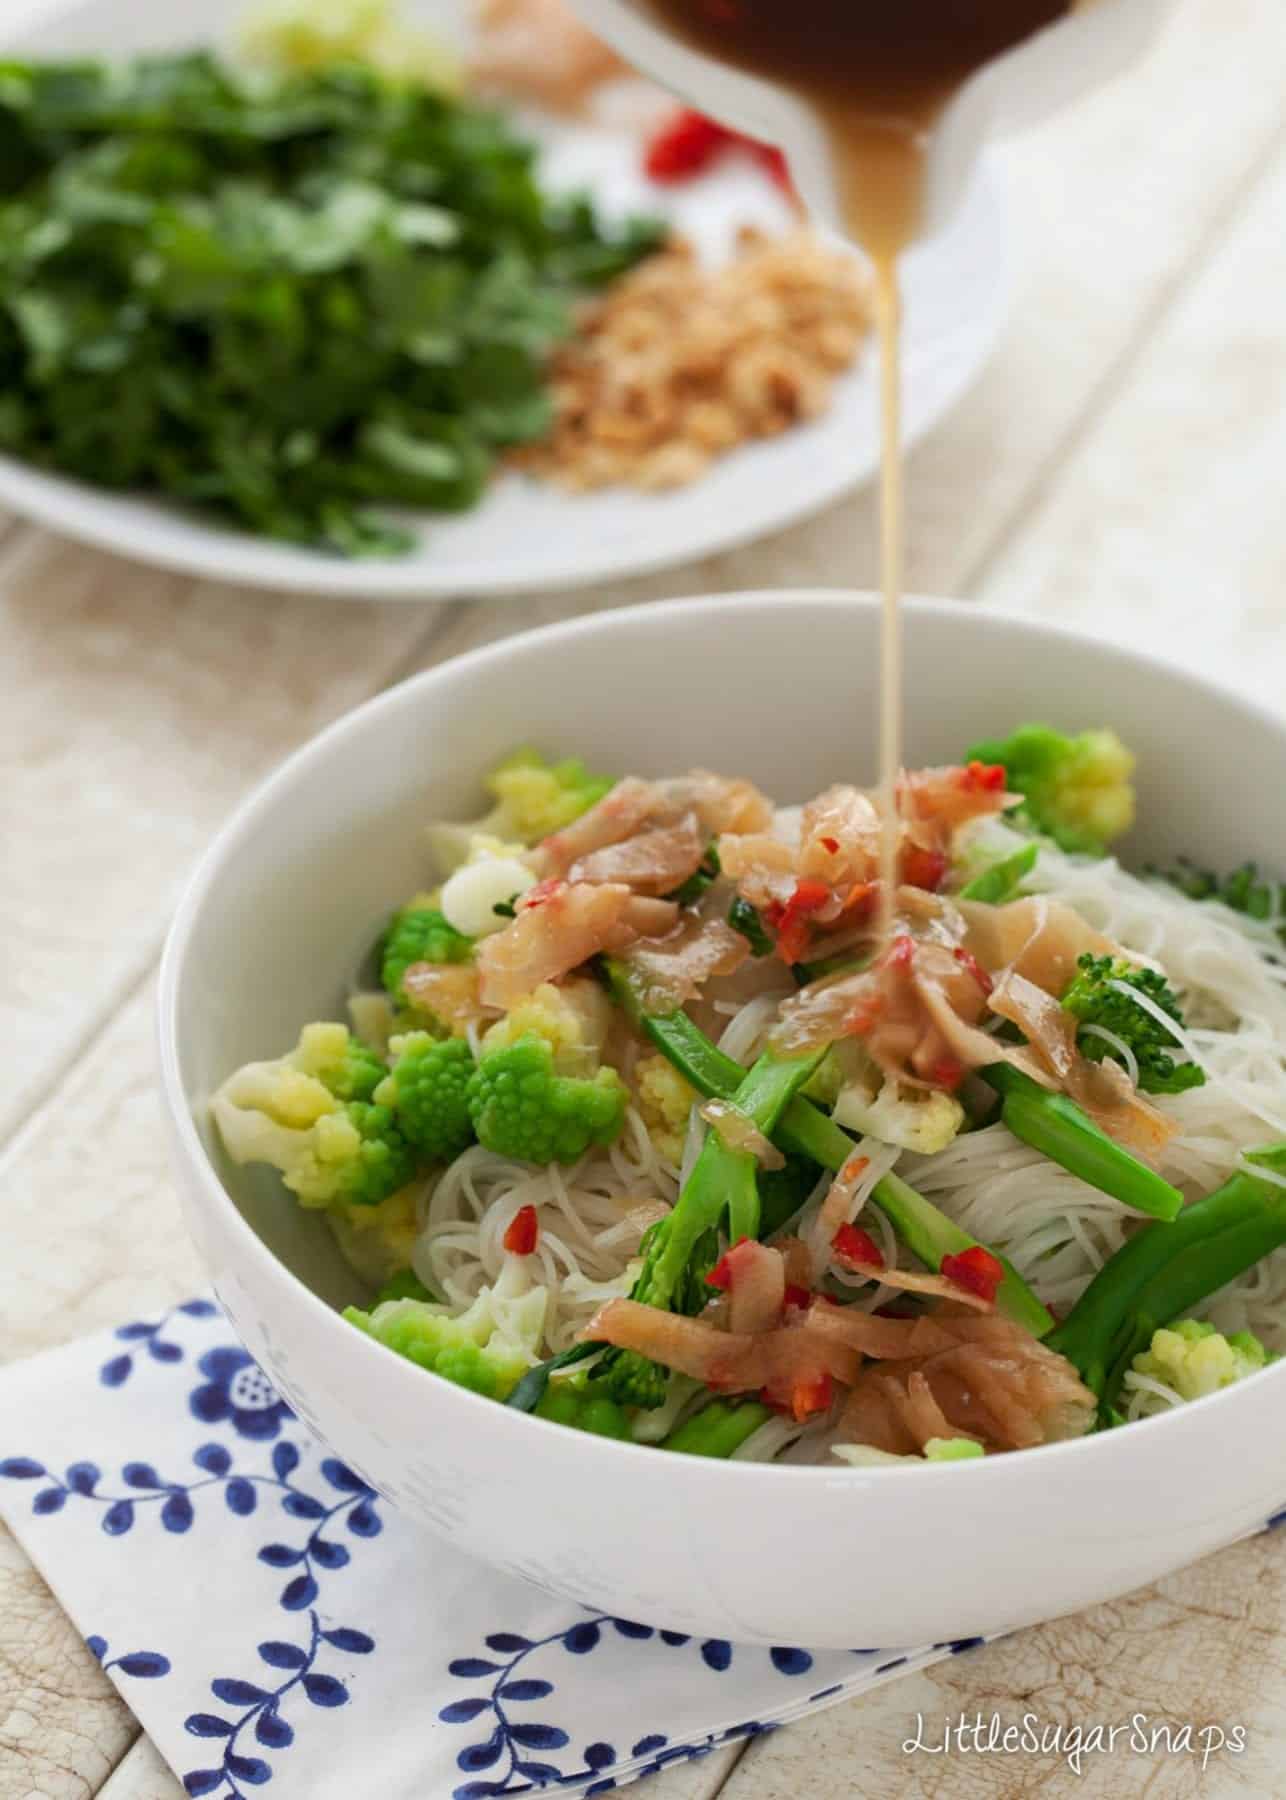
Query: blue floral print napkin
{"type": "Point", "coordinates": [274, 1625]}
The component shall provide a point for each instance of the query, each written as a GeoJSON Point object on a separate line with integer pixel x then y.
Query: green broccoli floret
{"type": "Point", "coordinates": [585, 1405]}
{"type": "Point", "coordinates": [1193, 1359]}
{"type": "Point", "coordinates": [1077, 790]}
{"type": "Point", "coordinates": [1095, 997]}
{"type": "Point", "coordinates": [427, 1090]}
{"type": "Point", "coordinates": [467, 1350]}
{"type": "Point", "coordinates": [521, 1108]}
{"type": "Point", "coordinates": [418, 934]}
{"type": "Point", "coordinates": [298, 1115]}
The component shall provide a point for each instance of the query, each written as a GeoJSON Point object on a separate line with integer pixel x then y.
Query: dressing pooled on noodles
{"type": "Point", "coordinates": [651, 1129]}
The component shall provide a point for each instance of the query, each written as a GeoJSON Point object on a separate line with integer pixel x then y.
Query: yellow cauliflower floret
{"type": "Point", "coordinates": [320, 1047]}
{"type": "Point", "coordinates": [1194, 1359]}
{"type": "Point", "coordinates": [283, 1094]}
{"type": "Point", "coordinates": [665, 1100]}
{"type": "Point", "coordinates": [573, 1019]}
{"type": "Point", "coordinates": [875, 1105]}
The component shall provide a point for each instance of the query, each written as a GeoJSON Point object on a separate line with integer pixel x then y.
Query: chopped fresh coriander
{"type": "Point", "coordinates": [292, 300]}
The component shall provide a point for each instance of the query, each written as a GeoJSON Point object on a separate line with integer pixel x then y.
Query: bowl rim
{"type": "Point", "coordinates": [268, 792]}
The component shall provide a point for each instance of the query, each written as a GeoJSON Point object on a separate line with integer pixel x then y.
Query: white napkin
{"type": "Point", "coordinates": [273, 1624]}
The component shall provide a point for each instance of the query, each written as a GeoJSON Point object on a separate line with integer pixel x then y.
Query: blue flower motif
{"type": "Point", "coordinates": [236, 1389]}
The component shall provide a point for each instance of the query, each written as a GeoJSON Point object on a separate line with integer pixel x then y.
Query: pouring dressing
{"type": "Point", "coordinates": [880, 110]}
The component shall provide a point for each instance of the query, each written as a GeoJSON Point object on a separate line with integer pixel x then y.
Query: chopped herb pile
{"type": "Point", "coordinates": [287, 298]}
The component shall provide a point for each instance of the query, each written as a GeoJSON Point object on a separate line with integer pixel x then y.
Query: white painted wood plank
{"type": "Point", "coordinates": [1168, 529]}
{"type": "Point", "coordinates": [92, 1227]}
{"type": "Point", "coordinates": [138, 706]}
{"type": "Point", "coordinates": [1205, 1648]}
{"type": "Point", "coordinates": [62, 1725]}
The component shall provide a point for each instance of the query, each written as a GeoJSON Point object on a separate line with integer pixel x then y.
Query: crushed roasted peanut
{"type": "Point", "coordinates": [676, 364]}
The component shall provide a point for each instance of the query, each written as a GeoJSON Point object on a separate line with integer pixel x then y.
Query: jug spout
{"type": "Point", "coordinates": [1094, 41]}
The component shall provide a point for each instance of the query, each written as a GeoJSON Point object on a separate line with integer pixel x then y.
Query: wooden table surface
{"type": "Point", "coordinates": [1118, 465]}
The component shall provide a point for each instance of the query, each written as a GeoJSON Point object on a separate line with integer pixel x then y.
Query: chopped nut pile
{"type": "Point", "coordinates": [676, 364]}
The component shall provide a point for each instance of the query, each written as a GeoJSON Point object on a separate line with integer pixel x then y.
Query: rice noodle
{"type": "Point", "coordinates": [1119, 1047]}
{"type": "Point", "coordinates": [591, 1221]}
{"type": "Point", "coordinates": [1229, 972]}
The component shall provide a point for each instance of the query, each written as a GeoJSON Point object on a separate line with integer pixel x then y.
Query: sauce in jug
{"type": "Point", "coordinates": [876, 73]}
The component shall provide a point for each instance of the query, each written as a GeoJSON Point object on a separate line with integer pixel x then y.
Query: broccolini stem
{"type": "Point", "coordinates": [1159, 1275]}
{"type": "Point", "coordinates": [996, 884]}
{"type": "Point", "coordinates": [805, 1131]}
{"type": "Point", "coordinates": [931, 1235]}
{"type": "Point", "coordinates": [725, 1178]}
{"type": "Point", "coordinates": [718, 1429]}
{"type": "Point", "coordinates": [1060, 1130]}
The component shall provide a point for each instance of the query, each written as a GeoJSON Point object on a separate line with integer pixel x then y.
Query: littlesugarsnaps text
{"type": "Point", "coordinates": [991, 1734]}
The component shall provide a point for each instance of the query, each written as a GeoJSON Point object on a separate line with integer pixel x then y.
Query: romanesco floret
{"type": "Point", "coordinates": [665, 1100]}
{"type": "Point", "coordinates": [1192, 1358]}
{"type": "Point", "coordinates": [419, 934]}
{"type": "Point", "coordinates": [1095, 998]}
{"type": "Point", "coordinates": [488, 1348]}
{"type": "Point", "coordinates": [1077, 790]}
{"type": "Point", "coordinates": [449, 1347]}
{"type": "Point", "coordinates": [427, 1090]}
{"type": "Point", "coordinates": [377, 1241]}
{"type": "Point", "coordinates": [522, 1108]}
{"type": "Point", "coordinates": [295, 1114]}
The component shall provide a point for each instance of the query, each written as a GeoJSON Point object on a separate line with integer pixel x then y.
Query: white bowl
{"type": "Point", "coordinates": [781, 687]}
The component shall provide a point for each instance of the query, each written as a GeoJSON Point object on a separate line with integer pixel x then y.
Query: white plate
{"type": "Point", "coordinates": [526, 536]}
